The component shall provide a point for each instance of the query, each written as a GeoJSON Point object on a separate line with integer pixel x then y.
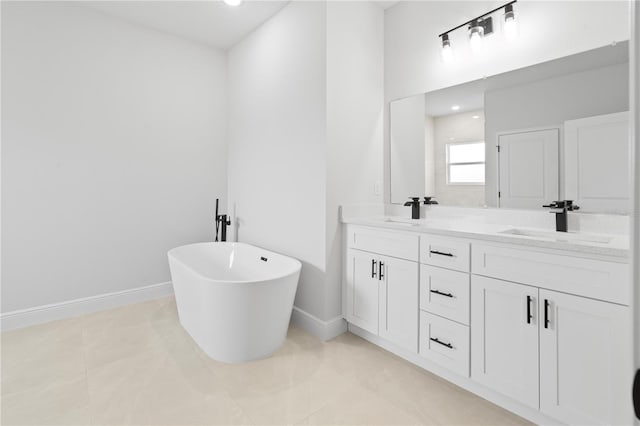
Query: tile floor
{"type": "Point", "coordinates": [135, 365]}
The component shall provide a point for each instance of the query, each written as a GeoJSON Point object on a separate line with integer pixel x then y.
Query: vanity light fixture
{"type": "Point", "coordinates": [479, 28]}
{"type": "Point", "coordinates": [233, 2]}
{"type": "Point", "coordinates": [447, 52]}
{"type": "Point", "coordinates": [510, 23]}
{"type": "Point", "coordinates": [476, 37]}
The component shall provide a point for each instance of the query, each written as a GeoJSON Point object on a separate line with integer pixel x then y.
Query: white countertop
{"type": "Point", "coordinates": [577, 242]}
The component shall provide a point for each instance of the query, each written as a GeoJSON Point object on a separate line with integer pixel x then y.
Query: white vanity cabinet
{"type": "Point", "coordinates": [547, 328]}
{"type": "Point", "coordinates": [398, 315]}
{"type": "Point", "coordinates": [584, 360]}
{"type": "Point", "coordinates": [504, 338]}
{"type": "Point", "coordinates": [444, 302]}
{"type": "Point", "coordinates": [381, 284]}
{"type": "Point", "coordinates": [361, 304]}
{"type": "Point", "coordinates": [564, 354]}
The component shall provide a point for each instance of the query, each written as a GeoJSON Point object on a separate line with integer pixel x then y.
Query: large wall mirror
{"type": "Point", "coordinates": [552, 131]}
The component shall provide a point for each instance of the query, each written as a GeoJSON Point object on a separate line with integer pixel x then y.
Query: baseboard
{"type": "Point", "coordinates": [466, 383]}
{"type": "Point", "coordinates": [56, 311]}
{"type": "Point", "coordinates": [324, 330]}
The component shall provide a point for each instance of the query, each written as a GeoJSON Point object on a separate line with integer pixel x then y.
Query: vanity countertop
{"type": "Point", "coordinates": [576, 242]}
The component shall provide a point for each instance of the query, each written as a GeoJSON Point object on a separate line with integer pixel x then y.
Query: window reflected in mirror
{"type": "Point", "coordinates": [465, 163]}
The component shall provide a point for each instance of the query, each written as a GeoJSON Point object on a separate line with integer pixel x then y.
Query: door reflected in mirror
{"type": "Point", "coordinates": [552, 131]}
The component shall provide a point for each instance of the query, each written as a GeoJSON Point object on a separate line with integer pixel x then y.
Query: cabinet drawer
{"type": "Point", "coordinates": [445, 342]}
{"type": "Point", "coordinates": [445, 293]}
{"type": "Point", "coordinates": [393, 243]}
{"type": "Point", "coordinates": [592, 278]}
{"type": "Point", "coordinates": [444, 252]}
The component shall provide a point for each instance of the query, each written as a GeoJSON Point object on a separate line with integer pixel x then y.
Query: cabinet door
{"type": "Point", "coordinates": [585, 360]}
{"type": "Point", "coordinates": [399, 302]}
{"type": "Point", "coordinates": [362, 290]}
{"type": "Point", "coordinates": [504, 338]}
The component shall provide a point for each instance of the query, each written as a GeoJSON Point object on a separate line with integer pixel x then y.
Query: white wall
{"type": "Point", "coordinates": [355, 92]}
{"type": "Point", "coordinates": [306, 135]}
{"type": "Point", "coordinates": [548, 30]}
{"type": "Point", "coordinates": [277, 142]}
{"type": "Point", "coordinates": [113, 152]}
{"type": "Point", "coordinates": [549, 103]}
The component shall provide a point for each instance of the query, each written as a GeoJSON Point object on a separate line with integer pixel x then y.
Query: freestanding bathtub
{"type": "Point", "coordinates": [234, 299]}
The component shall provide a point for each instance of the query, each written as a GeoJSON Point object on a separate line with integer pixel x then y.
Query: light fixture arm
{"type": "Point", "coordinates": [479, 18]}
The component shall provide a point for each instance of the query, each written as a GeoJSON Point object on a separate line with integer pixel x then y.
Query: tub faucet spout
{"type": "Point", "coordinates": [222, 221]}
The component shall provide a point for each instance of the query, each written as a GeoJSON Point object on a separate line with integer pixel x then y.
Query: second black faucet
{"type": "Point", "coordinates": [415, 205]}
{"type": "Point", "coordinates": [560, 208]}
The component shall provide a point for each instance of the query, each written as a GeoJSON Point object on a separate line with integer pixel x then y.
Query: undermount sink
{"type": "Point", "coordinates": [558, 236]}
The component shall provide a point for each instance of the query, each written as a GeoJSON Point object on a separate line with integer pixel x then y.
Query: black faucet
{"type": "Point", "coordinates": [222, 221]}
{"type": "Point", "coordinates": [415, 207]}
{"type": "Point", "coordinates": [428, 200]}
{"type": "Point", "coordinates": [560, 208]}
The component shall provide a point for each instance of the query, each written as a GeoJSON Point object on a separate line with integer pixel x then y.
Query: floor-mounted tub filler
{"type": "Point", "coordinates": [234, 299]}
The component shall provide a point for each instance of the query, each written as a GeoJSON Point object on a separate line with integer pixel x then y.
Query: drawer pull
{"type": "Point", "coordinates": [529, 316]}
{"type": "Point", "coordinates": [441, 253]}
{"type": "Point", "coordinates": [441, 293]}
{"type": "Point", "coordinates": [373, 268]}
{"type": "Point", "coordinates": [435, 339]}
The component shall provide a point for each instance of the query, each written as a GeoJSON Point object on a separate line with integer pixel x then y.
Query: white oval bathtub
{"type": "Point", "coordinates": [234, 299]}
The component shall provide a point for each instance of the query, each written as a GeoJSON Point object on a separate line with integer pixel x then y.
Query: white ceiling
{"type": "Point", "coordinates": [211, 22]}
{"type": "Point", "coordinates": [206, 21]}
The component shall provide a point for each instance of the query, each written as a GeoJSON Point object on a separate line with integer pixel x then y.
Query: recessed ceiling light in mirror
{"type": "Point", "coordinates": [233, 2]}
{"type": "Point", "coordinates": [455, 107]}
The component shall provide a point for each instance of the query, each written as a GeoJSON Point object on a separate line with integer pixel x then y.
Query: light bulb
{"type": "Point", "coordinates": [232, 2]}
{"type": "Point", "coordinates": [447, 51]}
{"type": "Point", "coordinates": [510, 23]}
{"type": "Point", "coordinates": [476, 38]}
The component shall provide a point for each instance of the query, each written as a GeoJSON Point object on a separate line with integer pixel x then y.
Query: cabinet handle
{"type": "Point", "coordinates": [373, 268]}
{"type": "Point", "coordinates": [441, 293]}
{"type": "Point", "coordinates": [441, 253]}
{"type": "Point", "coordinates": [435, 339]}
{"type": "Point", "coordinates": [529, 316]}
{"type": "Point", "coordinates": [546, 313]}
{"type": "Point", "coordinates": [381, 273]}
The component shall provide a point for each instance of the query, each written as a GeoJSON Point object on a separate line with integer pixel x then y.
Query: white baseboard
{"type": "Point", "coordinates": [324, 330]}
{"type": "Point", "coordinates": [56, 311]}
